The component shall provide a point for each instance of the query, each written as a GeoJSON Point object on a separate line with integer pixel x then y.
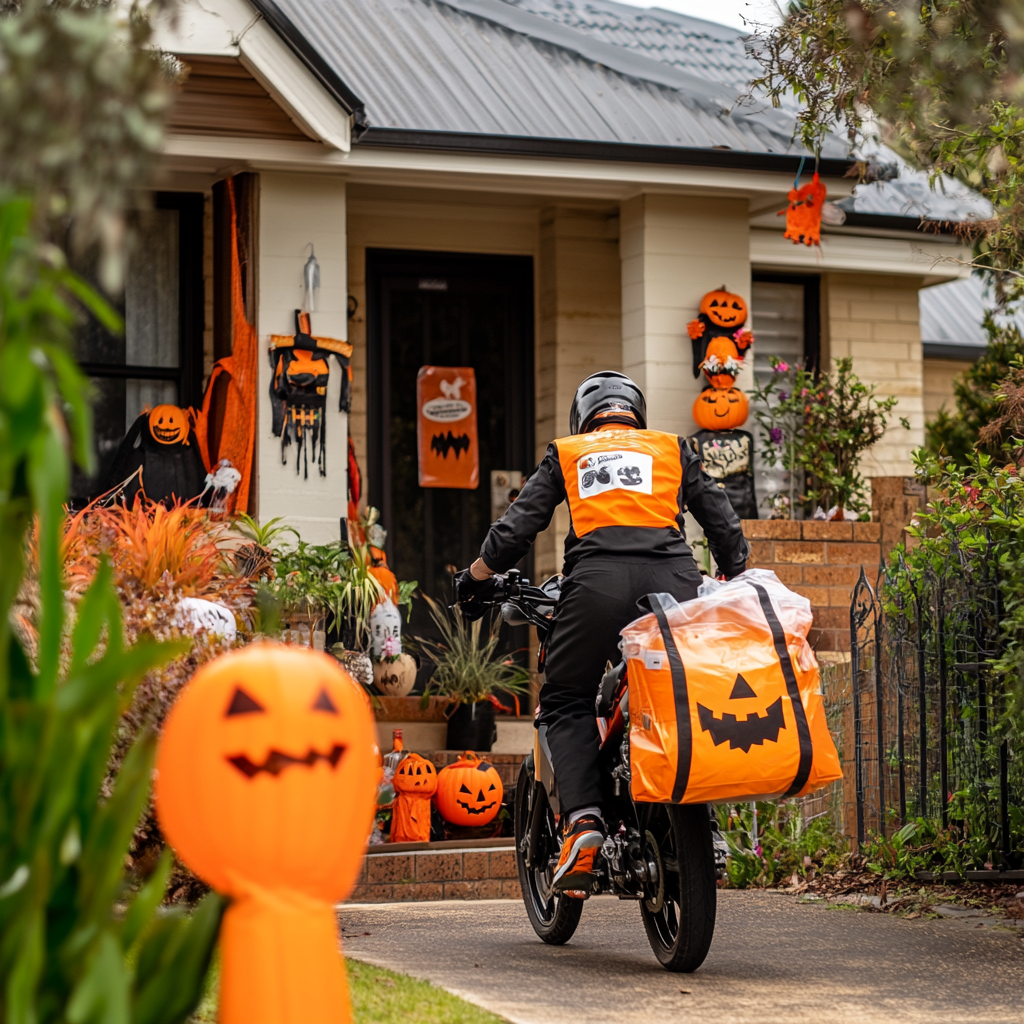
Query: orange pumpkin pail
{"type": "Point", "coordinates": [725, 697]}
{"type": "Point", "coordinates": [469, 792]}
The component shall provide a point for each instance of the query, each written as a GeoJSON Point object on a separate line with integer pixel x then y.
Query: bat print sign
{"type": "Point", "coordinates": [446, 427]}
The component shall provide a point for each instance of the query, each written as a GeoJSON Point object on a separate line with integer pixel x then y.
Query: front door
{"type": "Point", "coordinates": [445, 309]}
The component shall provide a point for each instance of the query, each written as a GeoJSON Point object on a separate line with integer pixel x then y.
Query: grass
{"type": "Point", "coordinates": [382, 997]}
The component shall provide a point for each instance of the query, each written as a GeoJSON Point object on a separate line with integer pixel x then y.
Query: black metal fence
{"type": "Point", "coordinates": [926, 707]}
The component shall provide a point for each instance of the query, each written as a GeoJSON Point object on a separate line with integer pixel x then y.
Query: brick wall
{"type": "Point", "coordinates": [821, 561]}
{"type": "Point", "coordinates": [438, 875]}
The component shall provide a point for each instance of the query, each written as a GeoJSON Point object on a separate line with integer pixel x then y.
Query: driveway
{"type": "Point", "coordinates": [774, 959]}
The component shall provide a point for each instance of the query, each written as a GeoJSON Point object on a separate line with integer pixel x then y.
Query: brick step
{"type": "Point", "coordinates": [443, 871]}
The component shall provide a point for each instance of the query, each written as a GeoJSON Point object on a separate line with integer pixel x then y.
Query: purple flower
{"type": "Point", "coordinates": [781, 368]}
{"type": "Point", "coordinates": [783, 395]}
{"type": "Point", "coordinates": [776, 435]}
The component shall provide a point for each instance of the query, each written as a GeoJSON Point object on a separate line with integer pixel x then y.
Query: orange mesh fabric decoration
{"type": "Point", "coordinates": [267, 775]}
{"type": "Point", "coordinates": [415, 783]}
{"type": "Point", "coordinates": [803, 215]}
{"type": "Point", "coordinates": [736, 662]}
{"type": "Point", "coordinates": [238, 435]}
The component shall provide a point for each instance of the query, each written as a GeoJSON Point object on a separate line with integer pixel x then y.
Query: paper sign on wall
{"type": "Point", "coordinates": [446, 427]}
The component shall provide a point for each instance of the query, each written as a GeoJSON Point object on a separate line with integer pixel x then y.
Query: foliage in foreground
{"type": "Point", "coordinates": [66, 953]}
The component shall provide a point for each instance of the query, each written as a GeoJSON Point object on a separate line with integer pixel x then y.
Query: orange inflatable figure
{"type": "Point", "coordinates": [267, 776]}
{"type": "Point", "coordinates": [415, 783]}
{"type": "Point", "coordinates": [803, 215]}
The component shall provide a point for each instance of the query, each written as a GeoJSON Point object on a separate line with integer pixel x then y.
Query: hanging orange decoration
{"type": "Point", "coordinates": [266, 786]}
{"type": "Point", "coordinates": [803, 215]}
{"type": "Point", "coordinates": [449, 453]}
{"type": "Point", "coordinates": [415, 783]}
{"type": "Point", "coordinates": [469, 792]}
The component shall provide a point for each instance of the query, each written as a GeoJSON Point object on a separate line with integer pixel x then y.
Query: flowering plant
{"type": "Point", "coordinates": [822, 425]}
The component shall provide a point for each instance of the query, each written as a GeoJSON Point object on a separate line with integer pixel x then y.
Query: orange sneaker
{"type": "Point", "coordinates": [581, 842]}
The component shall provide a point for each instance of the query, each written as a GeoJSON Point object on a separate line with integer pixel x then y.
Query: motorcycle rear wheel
{"type": "Point", "coordinates": [554, 917]}
{"type": "Point", "coordinates": [680, 932]}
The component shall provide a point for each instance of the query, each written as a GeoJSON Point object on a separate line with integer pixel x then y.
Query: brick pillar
{"type": "Point", "coordinates": [894, 501]}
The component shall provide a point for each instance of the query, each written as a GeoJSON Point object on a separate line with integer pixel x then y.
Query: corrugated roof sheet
{"type": "Point", "coordinates": [487, 67]}
{"type": "Point", "coordinates": [951, 313]}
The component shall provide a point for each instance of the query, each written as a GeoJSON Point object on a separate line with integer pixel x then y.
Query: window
{"type": "Point", "coordinates": [159, 359]}
{"type": "Point", "coordinates": [787, 324]}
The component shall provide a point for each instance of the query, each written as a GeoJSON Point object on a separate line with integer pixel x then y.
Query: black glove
{"type": "Point", "coordinates": [474, 596]}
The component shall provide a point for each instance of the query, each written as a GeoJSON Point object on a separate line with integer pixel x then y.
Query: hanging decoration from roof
{"type": "Point", "coordinates": [803, 215]}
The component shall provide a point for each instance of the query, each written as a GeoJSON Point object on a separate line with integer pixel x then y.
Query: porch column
{"type": "Point", "coordinates": [296, 209]}
{"type": "Point", "coordinates": [673, 250]}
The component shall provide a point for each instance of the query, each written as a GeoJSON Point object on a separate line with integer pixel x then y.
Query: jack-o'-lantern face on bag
{"type": "Point", "coordinates": [168, 424]}
{"type": "Point", "coordinates": [754, 728]}
{"type": "Point", "coordinates": [469, 792]}
{"type": "Point", "coordinates": [267, 772]}
{"type": "Point", "coordinates": [721, 408]}
{"type": "Point", "coordinates": [724, 309]}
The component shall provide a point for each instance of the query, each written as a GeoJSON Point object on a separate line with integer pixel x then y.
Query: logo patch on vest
{"type": "Point", "coordinates": [605, 471]}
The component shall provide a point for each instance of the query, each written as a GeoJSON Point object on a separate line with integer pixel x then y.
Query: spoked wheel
{"type": "Point", "coordinates": [554, 917]}
{"type": "Point", "coordinates": [679, 911]}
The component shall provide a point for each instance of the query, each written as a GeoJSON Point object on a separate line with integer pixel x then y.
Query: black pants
{"type": "Point", "coordinates": [598, 599]}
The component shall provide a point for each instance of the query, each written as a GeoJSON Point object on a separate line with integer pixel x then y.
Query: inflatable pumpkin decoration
{"type": "Point", "coordinates": [267, 775]}
{"type": "Point", "coordinates": [415, 783]}
{"type": "Point", "coordinates": [724, 309]}
{"type": "Point", "coordinates": [469, 791]}
{"type": "Point", "coordinates": [720, 408]}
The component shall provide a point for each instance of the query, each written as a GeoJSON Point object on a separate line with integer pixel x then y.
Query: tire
{"type": "Point", "coordinates": [680, 933]}
{"type": "Point", "coordinates": [554, 917]}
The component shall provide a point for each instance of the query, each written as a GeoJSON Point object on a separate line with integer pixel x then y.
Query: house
{"type": "Point", "coordinates": [536, 189]}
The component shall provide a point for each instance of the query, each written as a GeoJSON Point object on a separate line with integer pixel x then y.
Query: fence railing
{"type": "Point", "coordinates": [926, 700]}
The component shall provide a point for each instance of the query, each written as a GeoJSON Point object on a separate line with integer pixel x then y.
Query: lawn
{"type": "Point", "coordinates": [385, 997]}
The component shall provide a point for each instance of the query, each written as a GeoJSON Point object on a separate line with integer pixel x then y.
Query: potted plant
{"type": "Point", "coordinates": [471, 672]}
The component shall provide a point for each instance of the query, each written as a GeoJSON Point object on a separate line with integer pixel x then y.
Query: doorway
{"type": "Point", "coordinates": [444, 309]}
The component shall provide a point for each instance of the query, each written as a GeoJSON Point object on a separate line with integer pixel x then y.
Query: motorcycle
{"type": "Point", "coordinates": [666, 857]}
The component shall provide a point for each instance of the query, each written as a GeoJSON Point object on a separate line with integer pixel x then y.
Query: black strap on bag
{"type": "Point", "coordinates": [803, 730]}
{"type": "Point", "coordinates": [684, 729]}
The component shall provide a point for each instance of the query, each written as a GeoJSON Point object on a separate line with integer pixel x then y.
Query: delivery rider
{"type": "Point", "coordinates": [627, 488]}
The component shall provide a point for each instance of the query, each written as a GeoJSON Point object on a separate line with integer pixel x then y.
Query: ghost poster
{"type": "Point", "coordinates": [449, 454]}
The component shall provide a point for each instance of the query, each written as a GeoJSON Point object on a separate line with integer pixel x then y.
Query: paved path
{"type": "Point", "coordinates": [773, 960]}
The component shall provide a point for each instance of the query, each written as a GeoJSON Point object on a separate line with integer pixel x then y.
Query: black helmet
{"type": "Point", "coordinates": [607, 392]}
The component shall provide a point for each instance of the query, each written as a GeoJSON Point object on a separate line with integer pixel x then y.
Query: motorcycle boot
{"type": "Point", "coordinates": [581, 843]}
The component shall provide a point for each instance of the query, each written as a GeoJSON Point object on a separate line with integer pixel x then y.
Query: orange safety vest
{"type": "Point", "coordinates": [621, 478]}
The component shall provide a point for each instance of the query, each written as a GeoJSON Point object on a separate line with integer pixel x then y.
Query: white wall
{"type": "Point", "coordinates": [296, 209]}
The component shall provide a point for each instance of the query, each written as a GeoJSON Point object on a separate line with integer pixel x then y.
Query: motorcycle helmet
{"type": "Point", "coordinates": [607, 397]}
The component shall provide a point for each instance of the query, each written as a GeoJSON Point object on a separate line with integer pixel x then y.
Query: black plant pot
{"type": "Point", "coordinates": [471, 727]}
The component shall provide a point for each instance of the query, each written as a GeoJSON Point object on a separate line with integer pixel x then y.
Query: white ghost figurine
{"type": "Point", "coordinates": [386, 629]}
{"type": "Point", "coordinates": [195, 613]}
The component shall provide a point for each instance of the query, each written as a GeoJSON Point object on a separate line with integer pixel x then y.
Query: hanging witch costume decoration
{"type": "Point", "coordinates": [298, 390]}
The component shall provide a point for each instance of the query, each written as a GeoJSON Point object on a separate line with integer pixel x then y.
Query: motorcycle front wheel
{"type": "Point", "coordinates": [554, 917]}
{"type": "Point", "coordinates": [680, 925]}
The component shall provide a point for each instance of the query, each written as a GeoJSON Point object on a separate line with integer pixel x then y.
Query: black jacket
{"type": "Point", "coordinates": [512, 535]}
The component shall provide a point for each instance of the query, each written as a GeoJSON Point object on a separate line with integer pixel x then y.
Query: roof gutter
{"type": "Point", "coordinates": [328, 77]}
{"type": "Point", "coordinates": [573, 149]}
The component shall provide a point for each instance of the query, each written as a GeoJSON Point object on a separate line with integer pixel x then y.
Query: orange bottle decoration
{"type": "Point", "coordinates": [267, 774]}
{"type": "Point", "coordinates": [415, 783]}
{"type": "Point", "coordinates": [803, 215]}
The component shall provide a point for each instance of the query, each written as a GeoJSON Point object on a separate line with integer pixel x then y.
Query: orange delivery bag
{"type": "Point", "coordinates": [725, 696]}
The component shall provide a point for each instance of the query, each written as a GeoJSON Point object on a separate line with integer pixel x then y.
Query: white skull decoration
{"type": "Point", "coordinates": [386, 629]}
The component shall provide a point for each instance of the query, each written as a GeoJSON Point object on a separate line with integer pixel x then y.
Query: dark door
{"type": "Point", "coordinates": [445, 309]}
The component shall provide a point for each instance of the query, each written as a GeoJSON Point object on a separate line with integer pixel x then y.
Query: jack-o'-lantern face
{"type": "Point", "coordinates": [267, 772]}
{"type": "Point", "coordinates": [416, 776]}
{"type": "Point", "coordinates": [469, 792]}
{"type": "Point", "coordinates": [721, 409]}
{"type": "Point", "coordinates": [754, 729]}
{"type": "Point", "coordinates": [725, 309]}
{"type": "Point", "coordinates": [168, 424]}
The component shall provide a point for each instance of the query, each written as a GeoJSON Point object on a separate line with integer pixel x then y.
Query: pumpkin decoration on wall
{"type": "Point", "coordinates": [469, 791]}
{"type": "Point", "coordinates": [720, 341]}
{"type": "Point", "coordinates": [415, 783]}
{"type": "Point", "coordinates": [267, 775]}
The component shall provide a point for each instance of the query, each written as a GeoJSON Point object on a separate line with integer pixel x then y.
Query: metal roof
{"type": "Point", "coordinates": [951, 316]}
{"type": "Point", "coordinates": [492, 68]}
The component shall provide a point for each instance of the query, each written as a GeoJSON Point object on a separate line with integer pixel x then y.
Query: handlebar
{"type": "Point", "coordinates": [521, 603]}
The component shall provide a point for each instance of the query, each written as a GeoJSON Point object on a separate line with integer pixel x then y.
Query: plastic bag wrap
{"type": "Point", "coordinates": [725, 696]}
